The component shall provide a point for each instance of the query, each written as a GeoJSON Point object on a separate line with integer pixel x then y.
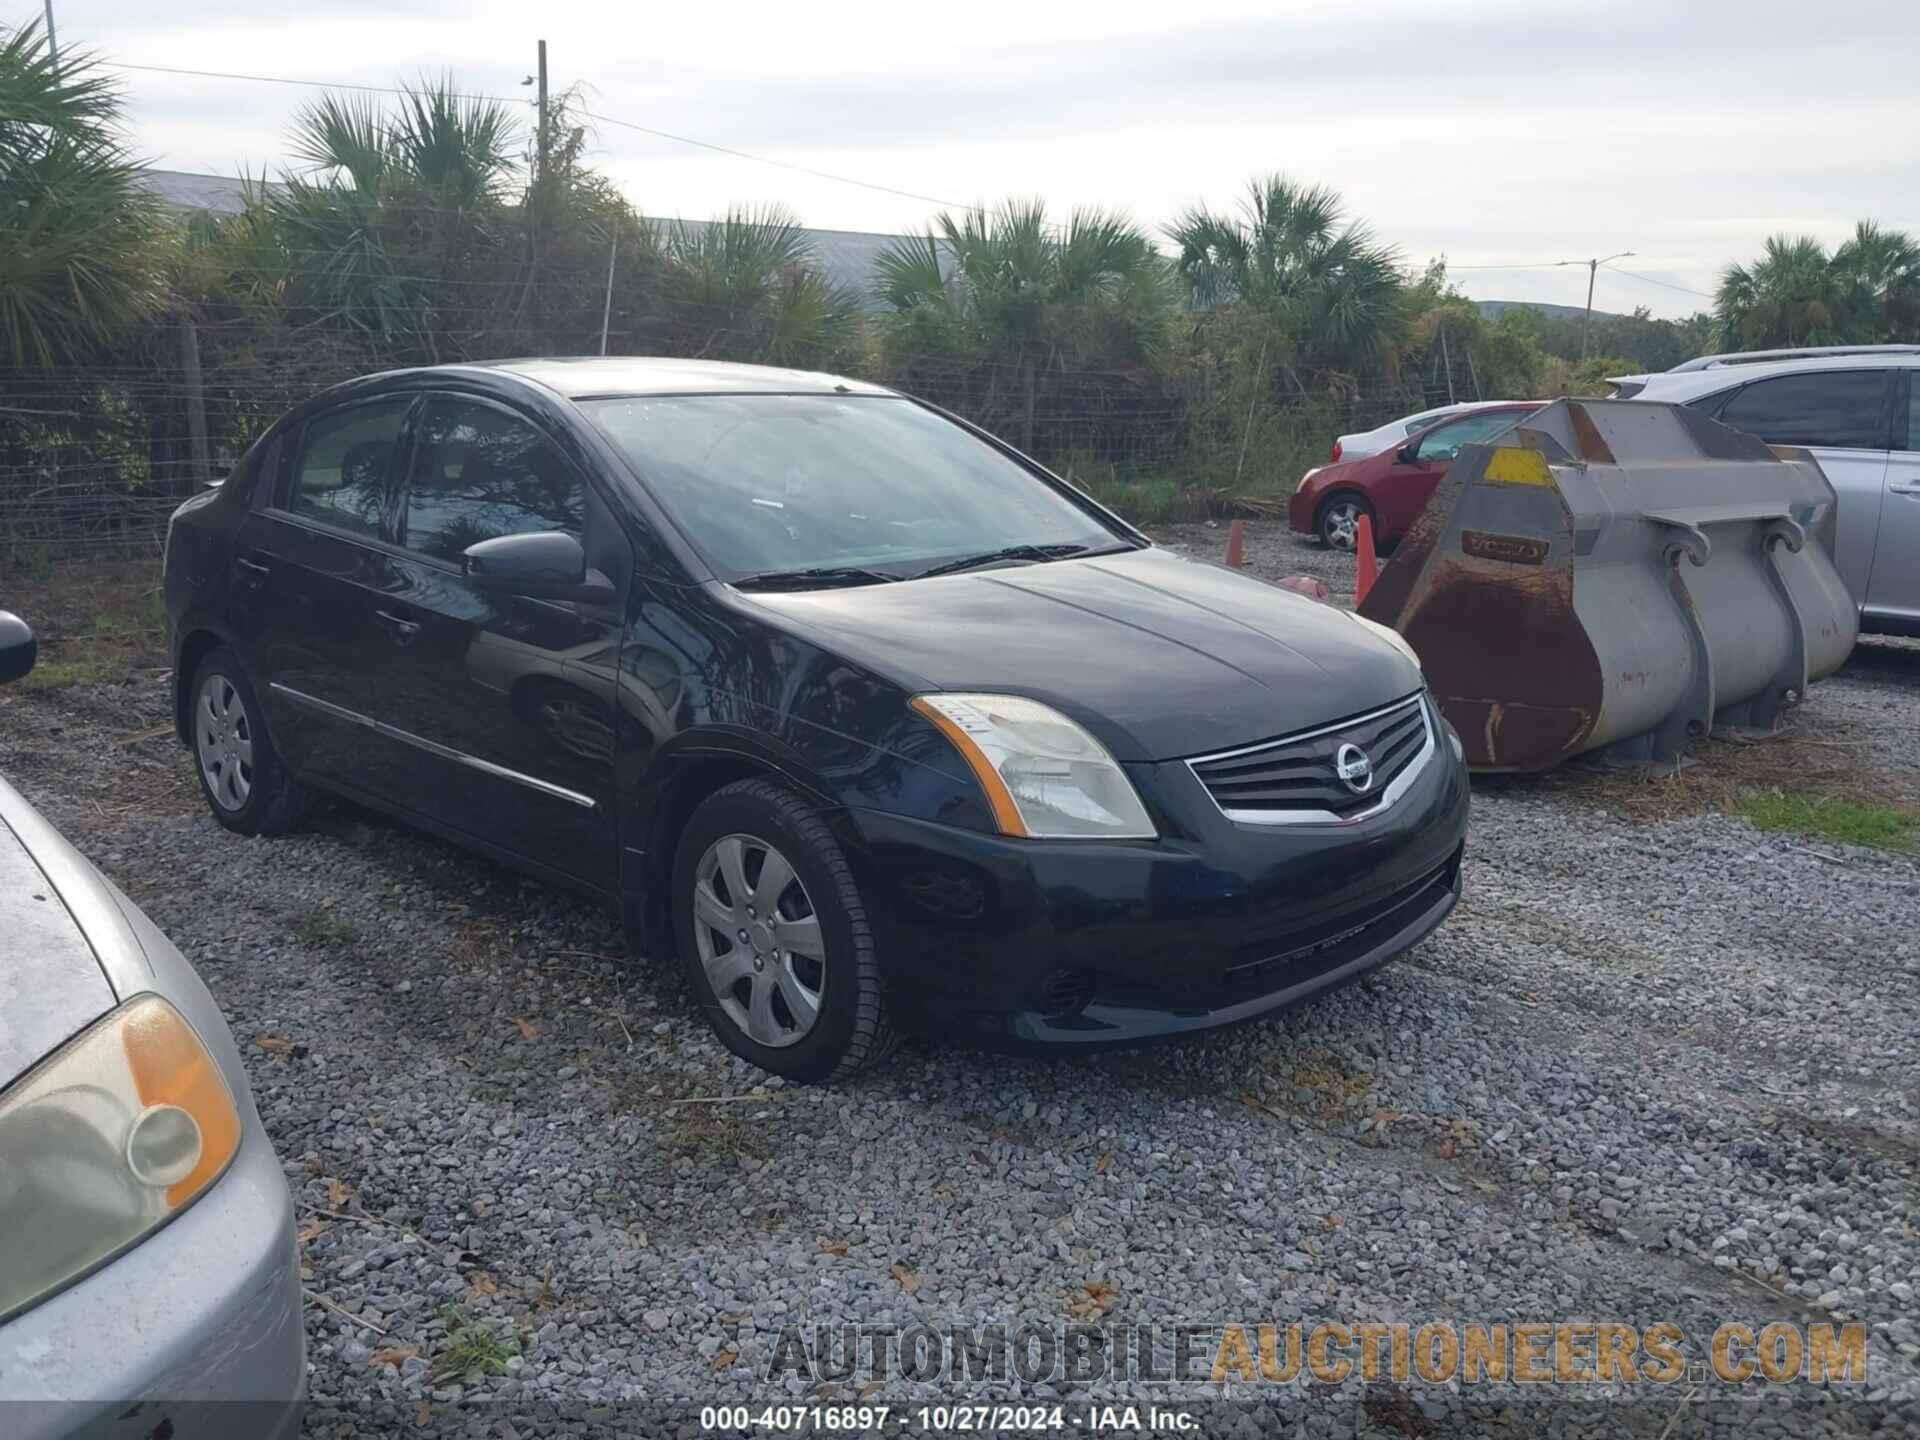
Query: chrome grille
{"type": "Point", "coordinates": [1295, 780]}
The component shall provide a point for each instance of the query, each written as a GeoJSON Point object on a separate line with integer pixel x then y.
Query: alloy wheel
{"type": "Point", "coordinates": [1341, 524]}
{"type": "Point", "coordinates": [223, 740]}
{"type": "Point", "coordinates": [759, 940]}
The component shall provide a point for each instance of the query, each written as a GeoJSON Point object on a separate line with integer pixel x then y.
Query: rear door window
{"type": "Point", "coordinates": [1834, 409]}
{"type": "Point", "coordinates": [344, 476]}
{"type": "Point", "coordinates": [480, 472]}
{"type": "Point", "coordinates": [1912, 429]}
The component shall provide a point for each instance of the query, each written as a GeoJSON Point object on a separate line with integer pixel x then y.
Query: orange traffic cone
{"type": "Point", "coordinates": [1236, 545]}
{"type": "Point", "coordinates": [1366, 566]}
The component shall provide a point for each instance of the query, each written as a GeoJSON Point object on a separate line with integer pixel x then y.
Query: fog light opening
{"type": "Point", "coordinates": [1066, 994]}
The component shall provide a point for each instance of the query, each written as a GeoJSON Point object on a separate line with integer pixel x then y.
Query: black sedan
{"type": "Point", "coordinates": [876, 723]}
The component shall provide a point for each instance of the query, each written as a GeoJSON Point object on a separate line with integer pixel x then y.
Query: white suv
{"type": "Point", "coordinates": [1860, 415]}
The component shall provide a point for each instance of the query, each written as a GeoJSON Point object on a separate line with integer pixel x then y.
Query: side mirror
{"type": "Point", "coordinates": [546, 565]}
{"type": "Point", "coordinates": [1409, 454]}
{"type": "Point", "coordinates": [18, 649]}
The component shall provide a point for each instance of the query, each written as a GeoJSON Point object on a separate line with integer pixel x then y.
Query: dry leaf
{"type": "Point", "coordinates": [979, 1157]}
{"type": "Point", "coordinates": [724, 1360]}
{"type": "Point", "coordinates": [832, 1247]}
{"type": "Point", "coordinates": [1092, 1300]}
{"type": "Point", "coordinates": [1383, 1118]}
{"type": "Point", "coordinates": [1448, 1149]}
{"type": "Point", "coordinates": [423, 1414]}
{"type": "Point", "coordinates": [337, 1194]}
{"type": "Point", "coordinates": [481, 1283]}
{"type": "Point", "coordinates": [909, 1281]}
{"type": "Point", "coordinates": [528, 1030]}
{"type": "Point", "coordinates": [1332, 1222]}
{"type": "Point", "coordinates": [1101, 1165]}
{"type": "Point", "coordinates": [1254, 1102]}
{"type": "Point", "coordinates": [274, 1044]}
{"type": "Point", "coordinates": [393, 1355]}
{"type": "Point", "coordinates": [312, 1229]}
{"type": "Point", "coordinates": [868, 1388]}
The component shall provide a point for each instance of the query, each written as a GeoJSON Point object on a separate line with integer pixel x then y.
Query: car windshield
{"type": "Point", "coordinates": [842, 488]}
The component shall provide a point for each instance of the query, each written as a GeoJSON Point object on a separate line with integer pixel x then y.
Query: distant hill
{"type": "Point", "coordinates": [1494, 309]}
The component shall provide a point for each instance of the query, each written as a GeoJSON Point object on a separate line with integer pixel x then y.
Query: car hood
{"type": "Point", "coordinates": [1352, 469]}
{"type": "Point", "coordinates": [51, 983]}
{"type": "Point", "coordinates": [1158, 656]}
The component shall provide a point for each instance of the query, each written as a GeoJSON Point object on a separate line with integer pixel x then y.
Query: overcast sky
{"type": "Point", "coordinates": [1495, 133]}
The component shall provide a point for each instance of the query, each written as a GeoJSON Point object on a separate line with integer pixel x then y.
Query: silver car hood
{"type": "Point", "coordinates": [52, 982]}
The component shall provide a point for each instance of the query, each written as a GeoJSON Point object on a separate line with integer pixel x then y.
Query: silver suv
{"type": "Point", "coordinates": [1859, 414]}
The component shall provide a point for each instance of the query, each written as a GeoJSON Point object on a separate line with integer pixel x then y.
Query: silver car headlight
{"type": "Point", "coordinates": [105, 1140]}
{"type": "Point", "coordinates": [1391, 636]}
{"type": "Point", "coordinates": [1044, 776]}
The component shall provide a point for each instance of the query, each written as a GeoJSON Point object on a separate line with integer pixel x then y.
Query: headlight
{"type": "Point", "coordinates": [1392, 637]}
{"type": "Point", "coordinates": [113, 1135]}
{"type": "Point", "coordinates": [1045, 777]}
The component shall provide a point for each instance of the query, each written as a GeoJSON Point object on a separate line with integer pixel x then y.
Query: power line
{"type": "Point", "coordinates": [1664, 284]}
{"type": "Point", "coordinates": [591, 115]}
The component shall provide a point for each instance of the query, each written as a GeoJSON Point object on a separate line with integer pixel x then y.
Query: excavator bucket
{"type": "Point", "coordinates": [1618, 576]}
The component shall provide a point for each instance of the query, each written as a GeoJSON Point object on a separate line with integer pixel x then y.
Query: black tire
{"type": "Point", "coordinates": [1326, 523]}
{"type": "Point", "coordinates": [274, 802]}
{"type": "Point", "coordinates": [851, 1030]}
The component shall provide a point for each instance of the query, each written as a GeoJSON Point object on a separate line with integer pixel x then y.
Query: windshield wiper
{"type": "Point", "coordinates": [820, 577]}
{"type": "Point", "coordinates": [1010, 552]}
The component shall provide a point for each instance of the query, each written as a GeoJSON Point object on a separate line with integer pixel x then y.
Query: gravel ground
{"type": "Point", "coordinates": [1648, 1072]}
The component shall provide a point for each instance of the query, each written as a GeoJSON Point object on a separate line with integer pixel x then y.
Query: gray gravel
{"type": "Point", "coordinates": [1649, 1072]}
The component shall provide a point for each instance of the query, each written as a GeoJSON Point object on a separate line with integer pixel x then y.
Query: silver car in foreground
{"type": "Point", "coordinates": [149, 1283]}
{"type": "Point", "coordinates": [1859, 413]}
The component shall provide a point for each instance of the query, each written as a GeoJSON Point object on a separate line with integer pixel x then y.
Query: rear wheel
{"type": "Point", "coordinates": [1339, 522]}
{"type": "Point", "coordinates": [775, 938]}
{"type": "Point", "coordinates": [246, 785]}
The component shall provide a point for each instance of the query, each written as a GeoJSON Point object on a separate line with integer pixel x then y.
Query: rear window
{"type": "Point", "coordinates": [346, 464]}
{"type": "Point", "coordinates": [1838, 409]}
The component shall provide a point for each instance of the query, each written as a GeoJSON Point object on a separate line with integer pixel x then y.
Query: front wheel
{"type": "Point", "coordinates": [1339, 525]}
{"type": "Point", "coordinates": [775, 937]}
{"type": "Point", "coordinates": [246, 784]}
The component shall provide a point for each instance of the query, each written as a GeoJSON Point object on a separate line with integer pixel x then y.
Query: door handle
{"type": "Point", "coordinates": [252, 571]}
{"type": "Point", "coordinates": [1913, 489]}
{"type": "Point", "coordinates": [403, 628]}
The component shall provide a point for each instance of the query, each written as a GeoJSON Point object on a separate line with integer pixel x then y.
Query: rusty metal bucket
{"type": "Point", "coordinates": [1619, 576]}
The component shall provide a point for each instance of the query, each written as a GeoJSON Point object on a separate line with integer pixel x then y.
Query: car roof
{"type": "Point", "coordinates": [1802, 352]}
{"type": "Point", "coordinates": [578, 377]}
{"type": "Point", "coordinates": [1480, 405]}
{"type": "Point", "coordinates": [1686, 384]}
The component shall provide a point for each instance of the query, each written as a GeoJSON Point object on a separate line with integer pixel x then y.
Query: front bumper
{"type": "Point", "coordinates": [196, 1331]}
{"type": "Point", "coordinates": [1084, 944]}
{"type": "Point", "coordinates": [1300, 505]}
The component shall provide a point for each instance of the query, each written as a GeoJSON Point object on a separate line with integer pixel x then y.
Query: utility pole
{"type": "Point", "coordinates": [53, 46]}
{"type": "Point", "coordinates": [1593, 269]}
{"type": "Point", "coordinates": [606, 313]}
{"type": "Point", "coordinates": [540, 161]}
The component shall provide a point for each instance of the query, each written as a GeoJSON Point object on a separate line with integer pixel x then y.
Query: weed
{"type": "Point", "coordinates": [321, 929]}
{"type": "Point", "coordinates": [471, 1348]}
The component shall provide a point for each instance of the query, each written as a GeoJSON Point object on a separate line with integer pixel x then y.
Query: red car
{"type": "Point", "coordinates": [1391, 488]}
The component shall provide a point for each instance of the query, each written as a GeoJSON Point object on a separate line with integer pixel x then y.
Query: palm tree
{"type": "Point", "coordinates": [746, 287]}
{"type": "Point", "coordinates": [1324, 294]}
{"type": "Point", "coordinates": [82, 247]}
{"type": "Point", "coordinates": [1790, 296]}
{"type": "Point", "coordinates": [1879, 272]}
{"type": "Point", "coordinates": [1029, 299]}
{"type": "Point", "coordinates": [396, 227]}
